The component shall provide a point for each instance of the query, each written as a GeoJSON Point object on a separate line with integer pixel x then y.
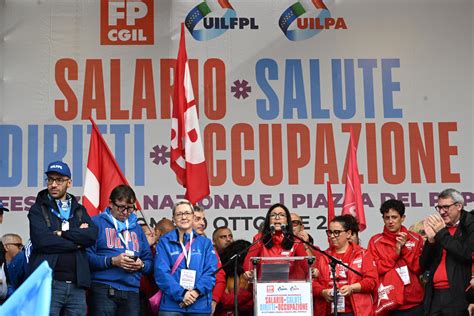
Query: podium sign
{"type": "Point", "coordinates": [284, 298]}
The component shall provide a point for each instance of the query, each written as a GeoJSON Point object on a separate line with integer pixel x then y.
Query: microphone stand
{"type": "Point", "coordinates": [333, 262]}
{"type": "Point", "coordinates": [234, 259]}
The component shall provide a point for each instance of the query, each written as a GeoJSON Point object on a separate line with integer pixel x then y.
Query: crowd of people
{"type": "Point", "coordinates": [117, 264]}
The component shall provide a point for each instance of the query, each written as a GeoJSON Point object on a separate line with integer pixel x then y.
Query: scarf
{"type": "Point", "coordinates": [121, 226]}
{"type": "Point", "coordinates": [391, 237]}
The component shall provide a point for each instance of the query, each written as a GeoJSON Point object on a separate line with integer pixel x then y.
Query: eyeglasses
{"type": "Point", "coordinates": [59, 181]}
{"type": "Point", "coordinates": [334, 233]}
{"type": "Point", "coordinates": [278, 215]}
{"type": "Point", "coordinates": [19, 245]}
{"type": "Point", "coordinates": [127, 208]}
{"type": "Point", "coordinates": [184, 214]}
{"type": "Point", "coordinates": [444, 207]}
{"type": "Point", "coordinates": [296, 223]}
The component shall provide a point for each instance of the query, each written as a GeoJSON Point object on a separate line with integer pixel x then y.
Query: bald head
{"type": "Point", "coordinates": [163, 226]}
{"type": "Point", "coordinates": [12, 244]}
{"type": "Point", "coordinates": [296, 222]}
{"type": "Point", "coordinates": [222, 237]}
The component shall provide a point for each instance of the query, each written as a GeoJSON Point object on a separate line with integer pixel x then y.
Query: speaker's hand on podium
{"type": "Point", "coordinates": [327, 295]}
{"type": "Point", "coordinates": [248, 275]}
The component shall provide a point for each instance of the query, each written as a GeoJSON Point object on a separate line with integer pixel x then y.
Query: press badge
{"type": "Point", "coordinates": [187, 278]}
{"type": "Point", "coordinates": [403, 273]}
{"type": "Point", "coordinates": [341, 304]}
{"type": "Point", "coordinates": [65, 226]}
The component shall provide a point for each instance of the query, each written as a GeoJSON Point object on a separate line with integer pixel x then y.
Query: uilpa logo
{"type": "Point", "coordinates": [212, 18]}
{"type": "Point", "coordinates": [126, 22]}
{"type": "Point", "coordinates": [306, 18]}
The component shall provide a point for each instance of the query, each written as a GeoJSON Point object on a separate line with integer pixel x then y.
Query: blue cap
{"type": "Point", "coordinates": [3, 208]}
{"type": "Point", "coordinates": [59, 167]}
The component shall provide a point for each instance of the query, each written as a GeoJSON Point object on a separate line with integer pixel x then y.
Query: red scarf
{"type": "Point", "coordinates": [391, 237]}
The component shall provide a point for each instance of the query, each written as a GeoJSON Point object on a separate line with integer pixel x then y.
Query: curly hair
{"type": "Point", "coordinates": [397, 205]}
{"type": "Point", "coordinates": [347, 221]}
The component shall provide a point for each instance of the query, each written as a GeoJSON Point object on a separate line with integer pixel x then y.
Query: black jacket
{"type": "Point", "coordinates": [47, 246]}
{"type": "Point", "coordinates": [459, 250]}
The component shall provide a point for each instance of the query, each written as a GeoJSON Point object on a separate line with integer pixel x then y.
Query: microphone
{"type": "Point", "coordinates": [283, 229]}
{"type": "Point", "coordinates": [272, 229]}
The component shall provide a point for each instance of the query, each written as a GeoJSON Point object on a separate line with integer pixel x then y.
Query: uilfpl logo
{"type": "Point", "coordinates": [212, 18]}
{"type": "Point", "coordinates": [126, 22]}
{"type": "Point", "coordinates": [307, 24]}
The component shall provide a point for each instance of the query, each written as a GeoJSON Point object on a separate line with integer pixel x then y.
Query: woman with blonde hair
{"type": "Point", "coordinates": [184, 267]}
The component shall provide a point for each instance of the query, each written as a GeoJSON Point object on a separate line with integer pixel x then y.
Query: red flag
{"type": "Point", "coordinates": [102, 176]}
{"type": "Point", "coordinates": [187, 154]}
{"type": "Point", "coordinates": [331, 212]}
{"type": "Point", "coordinates": [353, 193]}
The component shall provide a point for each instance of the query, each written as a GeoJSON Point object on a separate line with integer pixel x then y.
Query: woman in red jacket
{"type": "Point", "coordinates": [277, 244]}
{"type": "Point", "coordinates": [397, 253]}
{"type": "Point", "coordinates": [355, 293]}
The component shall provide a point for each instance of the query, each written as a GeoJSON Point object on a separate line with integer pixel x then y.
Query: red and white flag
{"type": "Point", "coordinates": [331, 212]}
{"type": "Point", "coordinates": [187, 153]}
{"type": "Point", "coordinates": [102, 176]}
{"type": "Point", "coordinates": [353, 193]}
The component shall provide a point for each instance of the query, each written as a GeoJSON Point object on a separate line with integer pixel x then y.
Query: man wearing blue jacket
{"type": "Point", "coordinates": [60, 231]}
{"type": "Point", "coordinates": [119, 257]}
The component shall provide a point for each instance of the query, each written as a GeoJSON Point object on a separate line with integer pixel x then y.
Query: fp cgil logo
{"type": "Point", "coordinates": [126, 22]}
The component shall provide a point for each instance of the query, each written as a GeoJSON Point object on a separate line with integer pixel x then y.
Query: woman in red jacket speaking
{"type": "Point", "coordinates": [276, 240]}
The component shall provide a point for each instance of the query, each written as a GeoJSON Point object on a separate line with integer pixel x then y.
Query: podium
{"type": "Point", "coordinates": [275, 292]}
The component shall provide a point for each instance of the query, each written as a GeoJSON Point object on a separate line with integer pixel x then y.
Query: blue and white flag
{"type": "Point", "coordinates": [33, 297]}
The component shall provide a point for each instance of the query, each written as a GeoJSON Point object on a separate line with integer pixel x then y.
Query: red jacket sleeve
{"type": "Point", "coordinates": [320, 283]}
{"type": "Point", "coordinates": [385, 256]}
{"type": "Point", "coordinates": [411, 256]}
{"type": "Point", "coordinates": [254, 251]}
{"type": "Point", "coordinates": [219, 287]}
{"type": "Point", "coordinates": [244, 300]}
{"type": "Point", "coordinates": [370, 278]}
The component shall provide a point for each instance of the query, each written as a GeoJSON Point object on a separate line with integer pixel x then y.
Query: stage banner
{"type": "Point", "coordinates": [278, 87]}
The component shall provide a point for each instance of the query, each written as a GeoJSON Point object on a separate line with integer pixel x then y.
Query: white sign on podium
{"type": "Point", "coordinates": [277, 298]}
{"type": "Point", "coordinates": [275, 293]}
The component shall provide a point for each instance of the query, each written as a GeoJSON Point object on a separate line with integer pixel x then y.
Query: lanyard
{"type": "Point", "coordinates": [187, 255]}
{"type": "Point", "coordinates": [62, 218]}
{"type": "Point", "coordinates": [127, 235]}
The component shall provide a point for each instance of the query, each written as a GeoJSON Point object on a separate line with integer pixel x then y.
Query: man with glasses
{"type": "Point", "coordinates": [12, 244]}
{"type": "Point", "coordinates": [447, 255]}
{"type": "Point", "coordinates": [298, 228]}
{"type": "Point", "coordinates": [60, 231]}
{"type": "Point", "coordinates": [119, 257]}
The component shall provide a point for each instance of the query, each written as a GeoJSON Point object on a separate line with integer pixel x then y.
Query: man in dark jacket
{"type": "Point", "coordinates": [447, 254]}
{"type": "Point", "coordinates": [60, 231]}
